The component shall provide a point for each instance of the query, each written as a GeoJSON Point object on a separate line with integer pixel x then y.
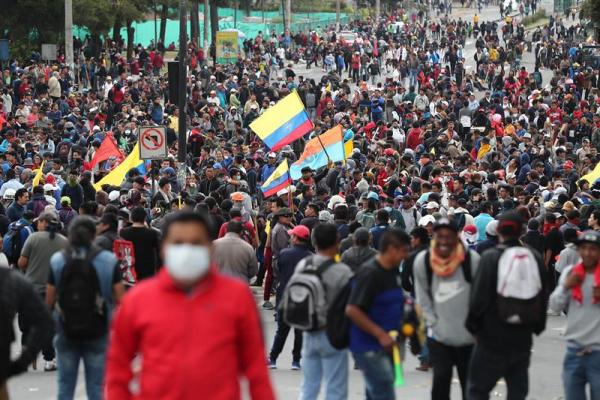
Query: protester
{"type": "Point", "coordinates": [321, 361]}
{"type": "Point", "coordinates": [155, 323]}
{"type": "Point", "coordinates": [505, 309]}
{"type": "Point", "coordinates": [288, 260]}
{"type": "Point", "coordinates": [233, 255]}
{"type": "Point", "coordinates": [443, 278]}
{"type": "Point", "coordinates": [375, 307]}
{"type": "Point", "coordinates": [85, 283]}
{"type": "Point", "coordinates": [34, 261]}
{"type": "Point", "coordinates": [577, 292]}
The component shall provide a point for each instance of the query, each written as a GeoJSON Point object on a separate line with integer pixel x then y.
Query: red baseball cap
{"type": "Point", "coordinates": [301, 231]}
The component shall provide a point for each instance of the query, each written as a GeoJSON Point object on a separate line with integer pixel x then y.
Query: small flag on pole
{"type": "Point", "coordinates": [279, 179]}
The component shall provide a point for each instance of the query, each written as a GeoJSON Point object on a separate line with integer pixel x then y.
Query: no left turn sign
{"type": "Point", "coordinates": [153, 142]}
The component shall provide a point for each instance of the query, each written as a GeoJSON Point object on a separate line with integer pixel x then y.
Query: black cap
{"type": "Point", "coordinates": [510, 223]}
{"type": "Point", "coordinates": [445, 223]}
{"type": "Point", "coordinates": [589, 237]}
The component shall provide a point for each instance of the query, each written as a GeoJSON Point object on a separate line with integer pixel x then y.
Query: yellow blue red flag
{"type": "Point", "coordinates": [279, 179]}
{"type": "Point", "coordinates": [283, 123]}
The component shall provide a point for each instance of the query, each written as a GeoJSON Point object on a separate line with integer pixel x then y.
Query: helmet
{"type": "Point", "coordinates": [9, 194]}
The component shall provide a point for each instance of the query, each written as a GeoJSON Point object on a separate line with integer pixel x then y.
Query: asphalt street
{"type": "Point", "coordinates": [547, 354]}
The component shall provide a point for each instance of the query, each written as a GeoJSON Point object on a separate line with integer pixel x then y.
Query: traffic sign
{"type": "Point", "coordinates": [153, 142]}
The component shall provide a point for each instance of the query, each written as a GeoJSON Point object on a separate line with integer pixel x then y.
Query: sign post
{"type": "Point", "coordinates": [153, 142]}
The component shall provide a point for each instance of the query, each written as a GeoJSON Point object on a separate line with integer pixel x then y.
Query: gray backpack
{"type": "Point", "coordinates": [304, 302]}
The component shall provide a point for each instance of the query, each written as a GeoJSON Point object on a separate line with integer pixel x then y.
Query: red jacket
{"type": "Point", "coordinates": [193, 346]}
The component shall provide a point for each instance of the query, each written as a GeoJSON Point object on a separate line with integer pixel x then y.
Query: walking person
{"type": "Point", "coordinates": [196, 330]}
{"type": "Point", "coordinates": [578, 291]}
{"type": "Point", "coordinates": [17, 293]}
{"type": "Point", "coordinates": [35, 263]}
{"type": "Point", "coordinates": [506, 308]}
{"type": "Point", "coordinates": [376, 307]}
{"type": "Point", "coordinates": [85, 282]}
{"type": "Point", "coordinates": [288, 259]}
{"type": "Point", "coordinates": [321, 361]}
{"type": "Point", "coordinates": [443, 276]}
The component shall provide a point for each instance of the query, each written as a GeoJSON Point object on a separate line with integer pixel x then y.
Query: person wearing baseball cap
{"type": "Point", "coordinates": [505, 332]}
{"type": "Point", "coordinates": [578, 291]}
{"type": "Point", "coordinates": [443, 276]}
{"type": "Point", "coordinates": [286, 264]}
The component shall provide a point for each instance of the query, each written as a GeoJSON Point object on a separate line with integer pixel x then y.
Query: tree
{"type": "Point", "coordinates": [591, 10]}
{"type": "Point", "coordinates": [28, 23]}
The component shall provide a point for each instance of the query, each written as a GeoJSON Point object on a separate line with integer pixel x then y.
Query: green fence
{"type": "Point", "coordinates": [144, 32]}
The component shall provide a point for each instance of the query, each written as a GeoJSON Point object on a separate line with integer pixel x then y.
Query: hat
{"type": "Point", "coordinates": [445, 223]}
{"type": "Point", "coordinates": [568, 164]}
{"type": "Point", "coordinates": [237, 196]}
{"type": "Point", "coordinates": [426, 220]}
{"type": "Point", "coordinates": [300, 231]}
{"type": "Point", "coordinates": [65, 200]}
{"type": "Point", "coordinates": [28, 162]}
{"type": "Point", "coordinates": [432, 205]}
{"type": "Point", "coordinates": [285, 191]}
{"type": "Point", "coordinates": [373, 196]}
{"type": "Point", "coordinates": [510, 223]}
{"type": "Point", "coordinates": [114, 195]}
{"type": "Point", "coordinates": [168, 170]}
{"type": "Point", "coordinates": [491, 228]}
{"type": "Point", "coordinates": [282, 212]}
{"type": "Point", "coordinates": [9, 194]}
{"type": "Point", "coordinates": [527, 135]}
{"type": "Point", "coordinates": [325, 216]}
{"type": "Point", "coordinates": [48, 187]}
{"type": "Point", "coordinates": [589, 237]}
{"type": "Point", "coordinates": [272, 155]}
{"type": "Point", "coordinates": [335, 201]}
{"type": "Point", "coordinates": [47, 216]}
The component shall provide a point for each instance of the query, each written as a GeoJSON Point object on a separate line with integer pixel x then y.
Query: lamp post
{"type": "Point", "coordinates": [181, 155]}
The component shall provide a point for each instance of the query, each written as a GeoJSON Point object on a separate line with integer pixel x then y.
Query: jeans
{"type": "Point", "coordinates": [579, 369]}
{"type": "Point", "coordinates": [487, 366]}
{"type": "Point", "coordinates": [378, 370]}
{"type": "Point", "coordinates": [281, 335]}
{"type": "Point", "coordinates": [321, 360]}
{"type": "Point", "coordinates": [443, 358]}
{"type": "Point", "coordinates": [68, 354]}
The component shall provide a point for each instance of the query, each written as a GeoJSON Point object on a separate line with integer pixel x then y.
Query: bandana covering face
{"type": "Point", "coordinates": [446, 266]}
{"type": "Point", "coordinates": [576, 292]}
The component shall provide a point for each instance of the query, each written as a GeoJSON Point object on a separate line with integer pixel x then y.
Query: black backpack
{"type": "Point", "coordinates": [338, 324]}
{"type": "Point", "coordinates": [13, 243]}
{"type": "Point", "coordinates": [83, 310]}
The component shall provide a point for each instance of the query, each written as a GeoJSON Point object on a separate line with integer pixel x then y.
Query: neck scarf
{"type": "Point", "coordinates": [576, 292]}
{"type": "Point", "coordinates": [446, 266]}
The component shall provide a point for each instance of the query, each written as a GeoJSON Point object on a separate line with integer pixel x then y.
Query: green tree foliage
{"type": "Point", "coordinates": [591, 10]}
{"type": "Point", "coordinates": [29, 23]}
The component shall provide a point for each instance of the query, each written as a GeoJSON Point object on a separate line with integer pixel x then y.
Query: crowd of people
{"type": "Point", "coordinates": [467, 212]}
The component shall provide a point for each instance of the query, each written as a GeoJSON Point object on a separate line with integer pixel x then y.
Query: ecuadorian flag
{"type": "Point", "coordinates": [320, 150]}
{"type": "Point", "coordinates": [279, 179]}
{"type": "Point", "coordinates": [283, 123]}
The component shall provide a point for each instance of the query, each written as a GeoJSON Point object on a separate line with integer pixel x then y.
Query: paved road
{"type": "Point", "coordinates": [544, 373]}
{"type": "Point", "coordinates": [546, 358]}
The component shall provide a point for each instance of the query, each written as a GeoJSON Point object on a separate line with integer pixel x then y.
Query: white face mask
{"type": "Point", "coordinates": [186, 262]}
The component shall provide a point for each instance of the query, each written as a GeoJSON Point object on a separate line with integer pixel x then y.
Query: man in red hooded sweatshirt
{"type": "Point", "coordinates": [195, 331]}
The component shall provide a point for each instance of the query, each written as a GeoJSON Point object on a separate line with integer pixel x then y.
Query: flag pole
{"type": "Point", "coordinates": [321, 143]}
